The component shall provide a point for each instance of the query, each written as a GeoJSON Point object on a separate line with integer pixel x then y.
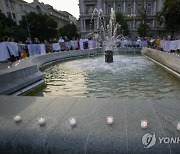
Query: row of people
{"type": "Point", "coordinates": [63, 44]}
{"type": "Point", "coordinates": [169, 45]}
{"type": "Point", "coordinates": [13, 51]}
{"type": "Point", "coordinates": [165, 43]}
{"type": "Point", "coordinates": [125, 42]}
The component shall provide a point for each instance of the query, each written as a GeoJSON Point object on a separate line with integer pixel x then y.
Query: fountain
{"type": "Point", "coordinates": [107, 33]}
{"type": "Point", "coordinates": [129, 77]}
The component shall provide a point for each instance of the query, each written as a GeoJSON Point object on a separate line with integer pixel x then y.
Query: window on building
{"type": "Point", "coordinates": [119, 8]}
{"type": "Point", "coordinates": [12, 4]}
{"type": "Point", "coordinates": [38, 8]}
{"type": "Point", "coordinates": [14, 15]}
{"type": "Point", "coordinates": [89, 9]}
{"type": "Point", "coordinates": [9, 14]}
{"type": "Point", "coordinates": [149, 8]}
{"type": "Point", "coordinates": [129, 8]}
{"type": "Point", "coordinates": [21, 7]}
{"type": "Point", "coordinates": [7, 3]}
{"type": "Point", "coordinates": [109, 6]}
{"type": "Point", "coordinates": [149, 24]}
{"type": "Point", "coordinates": [139, 7]}
{"type": "Point", "coordinates": [88, 25]}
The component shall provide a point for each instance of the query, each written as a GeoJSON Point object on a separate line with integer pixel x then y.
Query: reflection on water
{"type": "Point", "coordinates": [128, 76]}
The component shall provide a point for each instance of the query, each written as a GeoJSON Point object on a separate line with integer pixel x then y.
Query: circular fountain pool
{"type": "Point", "coordinates": [129, 76]}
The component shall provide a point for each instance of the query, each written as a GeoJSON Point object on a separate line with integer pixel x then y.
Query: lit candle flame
{"type": "Point", "coordinates": [72, 121]}
{"type": "Point", "coordinates": [41, 121]}
{"type": "Point", "coordinates": [17, 118]}
{"type": "Point", "coordinates": [144, 124]}
{"type": "Point", "coordinates": [178, 126]}
{"type": "Point", "coordinates": [110, 120]}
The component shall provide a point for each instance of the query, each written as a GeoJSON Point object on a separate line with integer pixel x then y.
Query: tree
{"type": "Point", "coordinates": [170, 16]}
{"type": "Point", "coordinates": [69, 30]}
{"type": "Point", "coordinates": [143, 29]}
{"type": "Point", "coordinates": [121, 21]}
{"type": "Point", "coordinates": [18, 33]}
{"type": "Point", "coordinates": [40, 25]}
{"type": "Point", "coordinates": [143, 26]}
{"type": "Point", "coordinates": [7, 26]}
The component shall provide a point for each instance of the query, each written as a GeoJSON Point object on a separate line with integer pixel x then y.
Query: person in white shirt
{"type": "Point", "coordinates": [81, 42]}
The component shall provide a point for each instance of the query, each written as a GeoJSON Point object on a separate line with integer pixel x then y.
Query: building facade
{"type": "Point", "coordinates": [129, 8]}
{"type": "Point", "coordinates": [16, 9]}
{"type": "Point", "coordinates": [59, 16]}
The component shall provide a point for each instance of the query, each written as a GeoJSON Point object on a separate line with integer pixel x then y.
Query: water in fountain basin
{"type": "Point", "coordinates": [130, 76]}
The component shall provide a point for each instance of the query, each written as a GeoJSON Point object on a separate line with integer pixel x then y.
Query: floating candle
{"type": "Point", "coordinates": [41, 121]}
{"type": "Point", "coordinates": [144, 124]}
{"type": "Point", "coordinates": [72, 121]}
{"type": "Point", "coordinates": [110, 120]}
{"type": "Point", "coordinates": [17, 118]}
{"type": "Point", "coordinates": [178, 126]}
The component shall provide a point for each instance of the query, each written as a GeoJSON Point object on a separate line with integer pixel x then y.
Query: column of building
{"type": "Point", "coordinates": [114, 5]}
{"type": "Point", "coordinates": [104, 7]}
{"type": "Point", "coordinates": [82, 11]}
{"type": "Point", "coordinates": [134, 12]}
{"type": "Point", "coordinates": [154, 12]}
{"type": "Point", "coordinates": [99, 7]}
{"type": "Point", "coordinates": [124, 7]}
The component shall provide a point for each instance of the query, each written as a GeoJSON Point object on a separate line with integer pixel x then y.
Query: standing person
{"type": "Point", "coordinates": [37, 49]}
{"type": "Point", "coordinates": [86, 43]}
{"type": "Point", "coordinates": [50, 45]}
{"type": "Point", "coordinates": [23, 50]}
{"type": "Point", "coordinates": [56, 46]}
{"type": "Point", "coordinates": [67, 43]}
{"type": "Point", "coordinates": [28, 42]}
{"type": "Point", "coordinates": [78, 43]}
{"type": "Point", "coordinates": [138, 42]}
{"type": "Point", "coordinates": [148, 41]}
{"type": "Point", "coordinates": [61, 43]}
{"type": "Point", "coordinates": [81, 43]}
{"type": "Point", "coordinates": [11, 51]}
{"type": "Point", "coordinates": [157, 43]}
{"type": "Point", "coordinates": [90, 43]}
{"type": "Point", "coordinates": [74, 44]}
{"type": "Point", "coordinates": [4, 52]}
{"type": "Point", "coordinates": [144, 43]}
{"type": "Point", "coordinates": [8, 54]}
{"type": "Point", "coordinates": [14, 49]}
{"type": "Point", "coordinates": [36, 40]}
{"type": "Point", "coordinates": [46, 43]}
{"type": "Point", "coordinates": [152, 42]}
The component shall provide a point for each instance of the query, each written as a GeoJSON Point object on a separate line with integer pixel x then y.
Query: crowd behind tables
{"type": "Point", "coordinates": [12, 51]}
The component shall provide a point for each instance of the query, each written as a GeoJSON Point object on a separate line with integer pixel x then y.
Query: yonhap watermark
{"type": "Point", "coordinates": [150, 139]}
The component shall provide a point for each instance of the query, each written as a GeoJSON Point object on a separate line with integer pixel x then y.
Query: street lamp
{"type": "Point", "coordinates": [131, 15]}
{"type": "Point", "coordinates": [27, 24]}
